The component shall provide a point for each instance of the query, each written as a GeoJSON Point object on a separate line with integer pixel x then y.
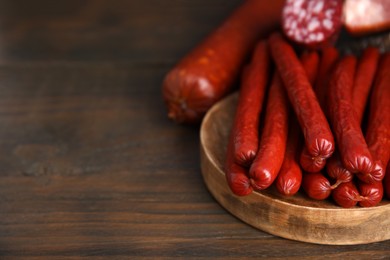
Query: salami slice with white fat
{"type": "Point", "coordinates": [312, 23]}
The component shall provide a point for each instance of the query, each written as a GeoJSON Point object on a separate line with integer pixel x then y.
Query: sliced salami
{"type": "Point", "coordinates": [312, 23]}
{"type": "Point", "coordinates": [366, 16]}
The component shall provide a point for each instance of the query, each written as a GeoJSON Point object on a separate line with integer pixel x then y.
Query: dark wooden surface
{"type": "Point", "coordinates": [89, 163]}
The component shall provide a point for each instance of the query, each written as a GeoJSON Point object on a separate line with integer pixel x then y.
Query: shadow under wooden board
{"type": "Point", "coordinates": [298, 217]}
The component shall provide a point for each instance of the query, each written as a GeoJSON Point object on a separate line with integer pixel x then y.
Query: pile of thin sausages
{"type": "Point", "coordinates": [321, 123]}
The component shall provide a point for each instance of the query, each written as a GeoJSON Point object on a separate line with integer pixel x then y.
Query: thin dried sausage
{"type": "Point", "coordinates": [269, 158]}
{"type": "Point", "coordinates": [378, 126]}
{"type": "Point", "coordinates": [346, 195]}
{"type": "Point", "coordinates": [316, 185]}
{"type": "Point", "coordinates": [236, 175]}
{"type": "Point", "coordinates": [329, 57]}
{"type": "Point", "coordinates": [371, 193]}
{"type": "Point", "coordinates": [316, 131]}
{"type": "Point", "coordinates": [289, 178]}
{"type": "Point", "coordinates": [354, 152]}
{"type": "Point", "coordinates": [336, 170]}
{"type": "Point", "coordinates": [364, 76]}
{"type": "Point", "coordinates": [250, 103]}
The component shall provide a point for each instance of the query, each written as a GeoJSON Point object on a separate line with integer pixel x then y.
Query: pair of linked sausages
{"type": "Point", "coordinates": [328, 95]}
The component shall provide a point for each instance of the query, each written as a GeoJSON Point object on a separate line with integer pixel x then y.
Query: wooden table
{"type": "Point", "coordinates": [89, 163]}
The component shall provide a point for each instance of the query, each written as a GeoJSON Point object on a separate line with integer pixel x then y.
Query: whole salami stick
{"type": "Point", "coordinates": [364, 77]}
{"type": "Point", "coordinates": [208, 72]}
{"type": "Point", "coordinates": [352, 146]}
{"type": "Point", "coordinates": [250, 103]}
{"type": "Point", "coordinates": [378, 126]}
{"type": "Point", "coordinates": [269, 158]}
{"type": "Point", "coordinates": [316, 131]}
{"type": "Point", "coordinates": [328, 59]}
{"type": "Point", "coordinates": [289, 178]}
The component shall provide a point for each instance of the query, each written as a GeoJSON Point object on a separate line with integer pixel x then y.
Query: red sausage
{"type": "Point", "coordinates": [310, 61]}
{"type": "Point", "coordinates": [236, 175]}
{"type": "Point", "coordinates": [363, 80]}
{"type": "Point", "coordinates": [336, 170]}
{"type": "Point", "coordinates": [252, 90]}
{"type": "Point", "coordinates": [346, 195]}
{"type": "Point", "coordinates": [376, 174]}
{"type": "Point", "coordinates": [317, 134]}
{"type": "Point", "coordinates": [366, 17]}
{"type": "Point", "coordinates": [354, 152]}
{"type": "Point", "coordinates": [378, 126]}
{"type": "Point", "coordinates": [208, 72]}
{"type": "Point", "coordinates": [312, 23]}
{"type": "Point", "coordinates": [269, 158]}
{"type": "Point", "coordinates": [310, 64]}
{"type": "Point", "coordinates": [311, 163]}
{"type": "Point", "coordinates": [316, 185]}
{"type": "Point", "coordinates": [329, 58]}
{"type": "Point", "coordinates": [371, 193]}
{"type": "Point", "coordinates": [289, 178]}
{"type": "Point", "coordinates": [320, 187]}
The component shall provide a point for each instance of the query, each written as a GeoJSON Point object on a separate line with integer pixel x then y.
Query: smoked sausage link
{"type": "Point", "coordinates": [289, 178]}
{"type": "Point", "coordinates": [371, 193]}
{"type": "Point", "coordinates": [346, 195]}
{"type": "Point", "coordinates": [272, 147]}
{"type": "Point", "coordinates": [250, 103]}
{"type": "Point", "coordinates": [364, 78]}
{"type": "Point", "coordinates": [208, 72]}
{"type": "Point", "coordinates": [236, 175]}
{"type": "Point", "coordinates": [336, 169]}
{"type": "Point", "coordinates": [378, 126]}
{"type": "Point", "coordinates": [316, 131]}
{"type": "Point", "coordinates": [316, 185]}
{"type": "Point", "coordinates": [329, 57]}
{"type": "Point", "coordinates": [353, 149]}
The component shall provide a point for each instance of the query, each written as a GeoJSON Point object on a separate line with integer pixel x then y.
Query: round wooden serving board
{"type": "Point", "coordinates": [297, 217]}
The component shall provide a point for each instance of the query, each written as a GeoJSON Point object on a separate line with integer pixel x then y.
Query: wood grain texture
{"type": "Point", "coordinates": [90, 166]}
{"type": "Point", "coordinates": [296, 217]}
